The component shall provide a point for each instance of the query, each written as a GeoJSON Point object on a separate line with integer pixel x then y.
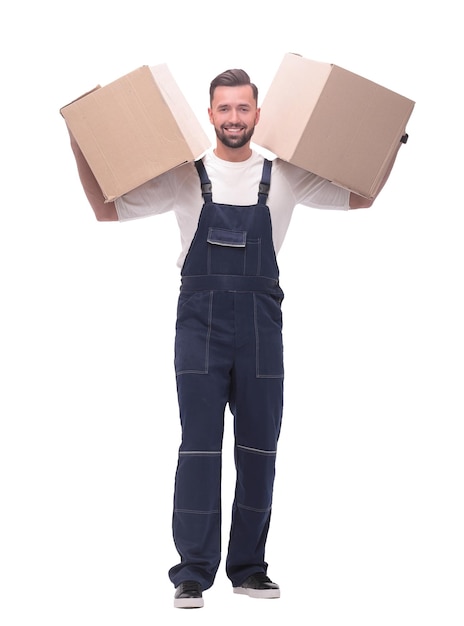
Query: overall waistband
{"type": "Point", "coordinates": [219, 282]}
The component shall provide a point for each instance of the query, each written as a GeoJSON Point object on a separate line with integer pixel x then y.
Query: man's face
{"type": "Point", "coordinates": [234, 115]}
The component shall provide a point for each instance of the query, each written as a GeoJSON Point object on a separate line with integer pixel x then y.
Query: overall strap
{"type": "Point", "coordinates": [265, 183]}
{"type": "Point", "coordinates": [206, 188]}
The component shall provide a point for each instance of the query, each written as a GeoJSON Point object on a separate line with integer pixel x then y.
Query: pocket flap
{"type": "Point", "coordinates": [224, 237]}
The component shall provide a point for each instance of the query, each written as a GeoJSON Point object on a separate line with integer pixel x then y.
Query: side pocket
{"type": "Point", "coordinates": [268, 334]}
{"type": "Point", "coordinates": [193, 329]}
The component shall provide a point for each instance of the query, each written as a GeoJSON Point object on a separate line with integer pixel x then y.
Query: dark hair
{"type": "Point", "coordinates": [232, 78]}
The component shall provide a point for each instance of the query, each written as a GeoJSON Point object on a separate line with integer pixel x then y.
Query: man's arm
{"type": "Point", "coordinates": [359, 202]}
{"type": "Point", "coordinates": [104, 211]}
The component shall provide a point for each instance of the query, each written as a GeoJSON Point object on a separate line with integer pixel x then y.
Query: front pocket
{"type": "Point", "coordinates": [233, 253]}
{"type": "Point", "coordinates": [226, 251]}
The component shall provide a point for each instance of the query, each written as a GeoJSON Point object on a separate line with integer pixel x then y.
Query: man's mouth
{"type": "Point", "coordinates": [233, 129]}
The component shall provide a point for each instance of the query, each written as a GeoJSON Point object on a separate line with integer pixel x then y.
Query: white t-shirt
{"type": "Point", "coordinates": [233, 183]}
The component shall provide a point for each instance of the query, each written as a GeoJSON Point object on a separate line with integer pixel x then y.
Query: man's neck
{"type": "Point", "coordinates": [232, 154]}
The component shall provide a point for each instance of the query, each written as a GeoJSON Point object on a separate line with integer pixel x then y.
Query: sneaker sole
{"type": "Point", "coordinates": [188, 603]}
{"type": "Point", "coordinates": [258, 593]}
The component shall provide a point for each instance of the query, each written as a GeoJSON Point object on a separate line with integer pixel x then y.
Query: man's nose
{"type": "Point", "coordinates": [234, 116]}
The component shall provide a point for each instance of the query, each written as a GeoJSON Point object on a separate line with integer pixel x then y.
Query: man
{"type": "Point", "coordinates": [233, 209]}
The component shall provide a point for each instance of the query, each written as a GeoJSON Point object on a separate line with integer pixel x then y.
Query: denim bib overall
{"type": "Point", "coordinates": [228, 350]}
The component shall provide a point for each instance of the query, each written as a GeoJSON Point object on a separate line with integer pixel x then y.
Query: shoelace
{"type": "Point", "coordinates": [261, 577]}
{"type": "Point", "coordinates": [190, 585]}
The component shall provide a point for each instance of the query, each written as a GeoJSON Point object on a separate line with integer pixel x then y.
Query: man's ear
{"type": "Point", "coordinates": [210, 115]}
{"type": "Point", "coordinates": [258, 115]}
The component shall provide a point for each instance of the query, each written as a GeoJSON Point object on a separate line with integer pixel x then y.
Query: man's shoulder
{"type": "Point", "coordinates": [285, 166]}
{"type": "Point", "coordinates": [176, 178]}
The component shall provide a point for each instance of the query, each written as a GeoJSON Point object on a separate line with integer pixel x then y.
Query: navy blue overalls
{"type": "Point", "coordinates": [228, 349]}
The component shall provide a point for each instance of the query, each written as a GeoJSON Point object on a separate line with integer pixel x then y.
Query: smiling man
{"type": "Point", "coordinates": [233, 209]}
{"type": "Point", "coordinates": [234, 117]}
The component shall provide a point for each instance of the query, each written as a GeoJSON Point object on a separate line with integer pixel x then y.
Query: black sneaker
{"type": "Point", "coordinates": [188, 595]}
{"type": "Point", "coordinates": [259, 586]}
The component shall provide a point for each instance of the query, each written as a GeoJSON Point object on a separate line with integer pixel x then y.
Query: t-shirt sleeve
{"type": "Point", "coordinates": [313, 191]}
{"type": "Point", "coordinates": [153, 197]}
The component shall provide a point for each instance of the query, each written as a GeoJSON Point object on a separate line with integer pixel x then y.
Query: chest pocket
{"type": "Point", "coordinates": [223, 237]}
{"type": "Point", "coordinates": [231, 252]}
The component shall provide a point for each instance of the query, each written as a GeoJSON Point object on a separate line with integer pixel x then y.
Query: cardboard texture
{"type": "Point", "coordinates": [332, 122]}
{"type": "Point", "coordinates": [134, 129]}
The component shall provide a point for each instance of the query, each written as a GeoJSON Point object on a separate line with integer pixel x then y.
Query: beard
{"type": "Point", "coordinates": [232, 141]}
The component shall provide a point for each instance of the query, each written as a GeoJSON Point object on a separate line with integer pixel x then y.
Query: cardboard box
{"type": "Point", "coordinates": [332, 122]}
{"type": "Point", "coordinates": [135, 129]}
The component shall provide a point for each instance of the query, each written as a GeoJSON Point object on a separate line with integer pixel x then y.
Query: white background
{"type": "Point", "coordinates": [368, 508]}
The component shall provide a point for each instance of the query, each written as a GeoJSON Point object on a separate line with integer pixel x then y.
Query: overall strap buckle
{"type": "Point", "coordinates": [265, 183]}
{"type": "Point", "coordinates": [206, 187]}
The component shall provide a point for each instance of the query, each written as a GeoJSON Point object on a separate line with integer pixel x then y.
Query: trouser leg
{"type": "Point", "coordinates": [197, 491]}
{"type": "Point", "coordinates": [256, 402]}
{"type": "Point", "coordinates": [202, 398]}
